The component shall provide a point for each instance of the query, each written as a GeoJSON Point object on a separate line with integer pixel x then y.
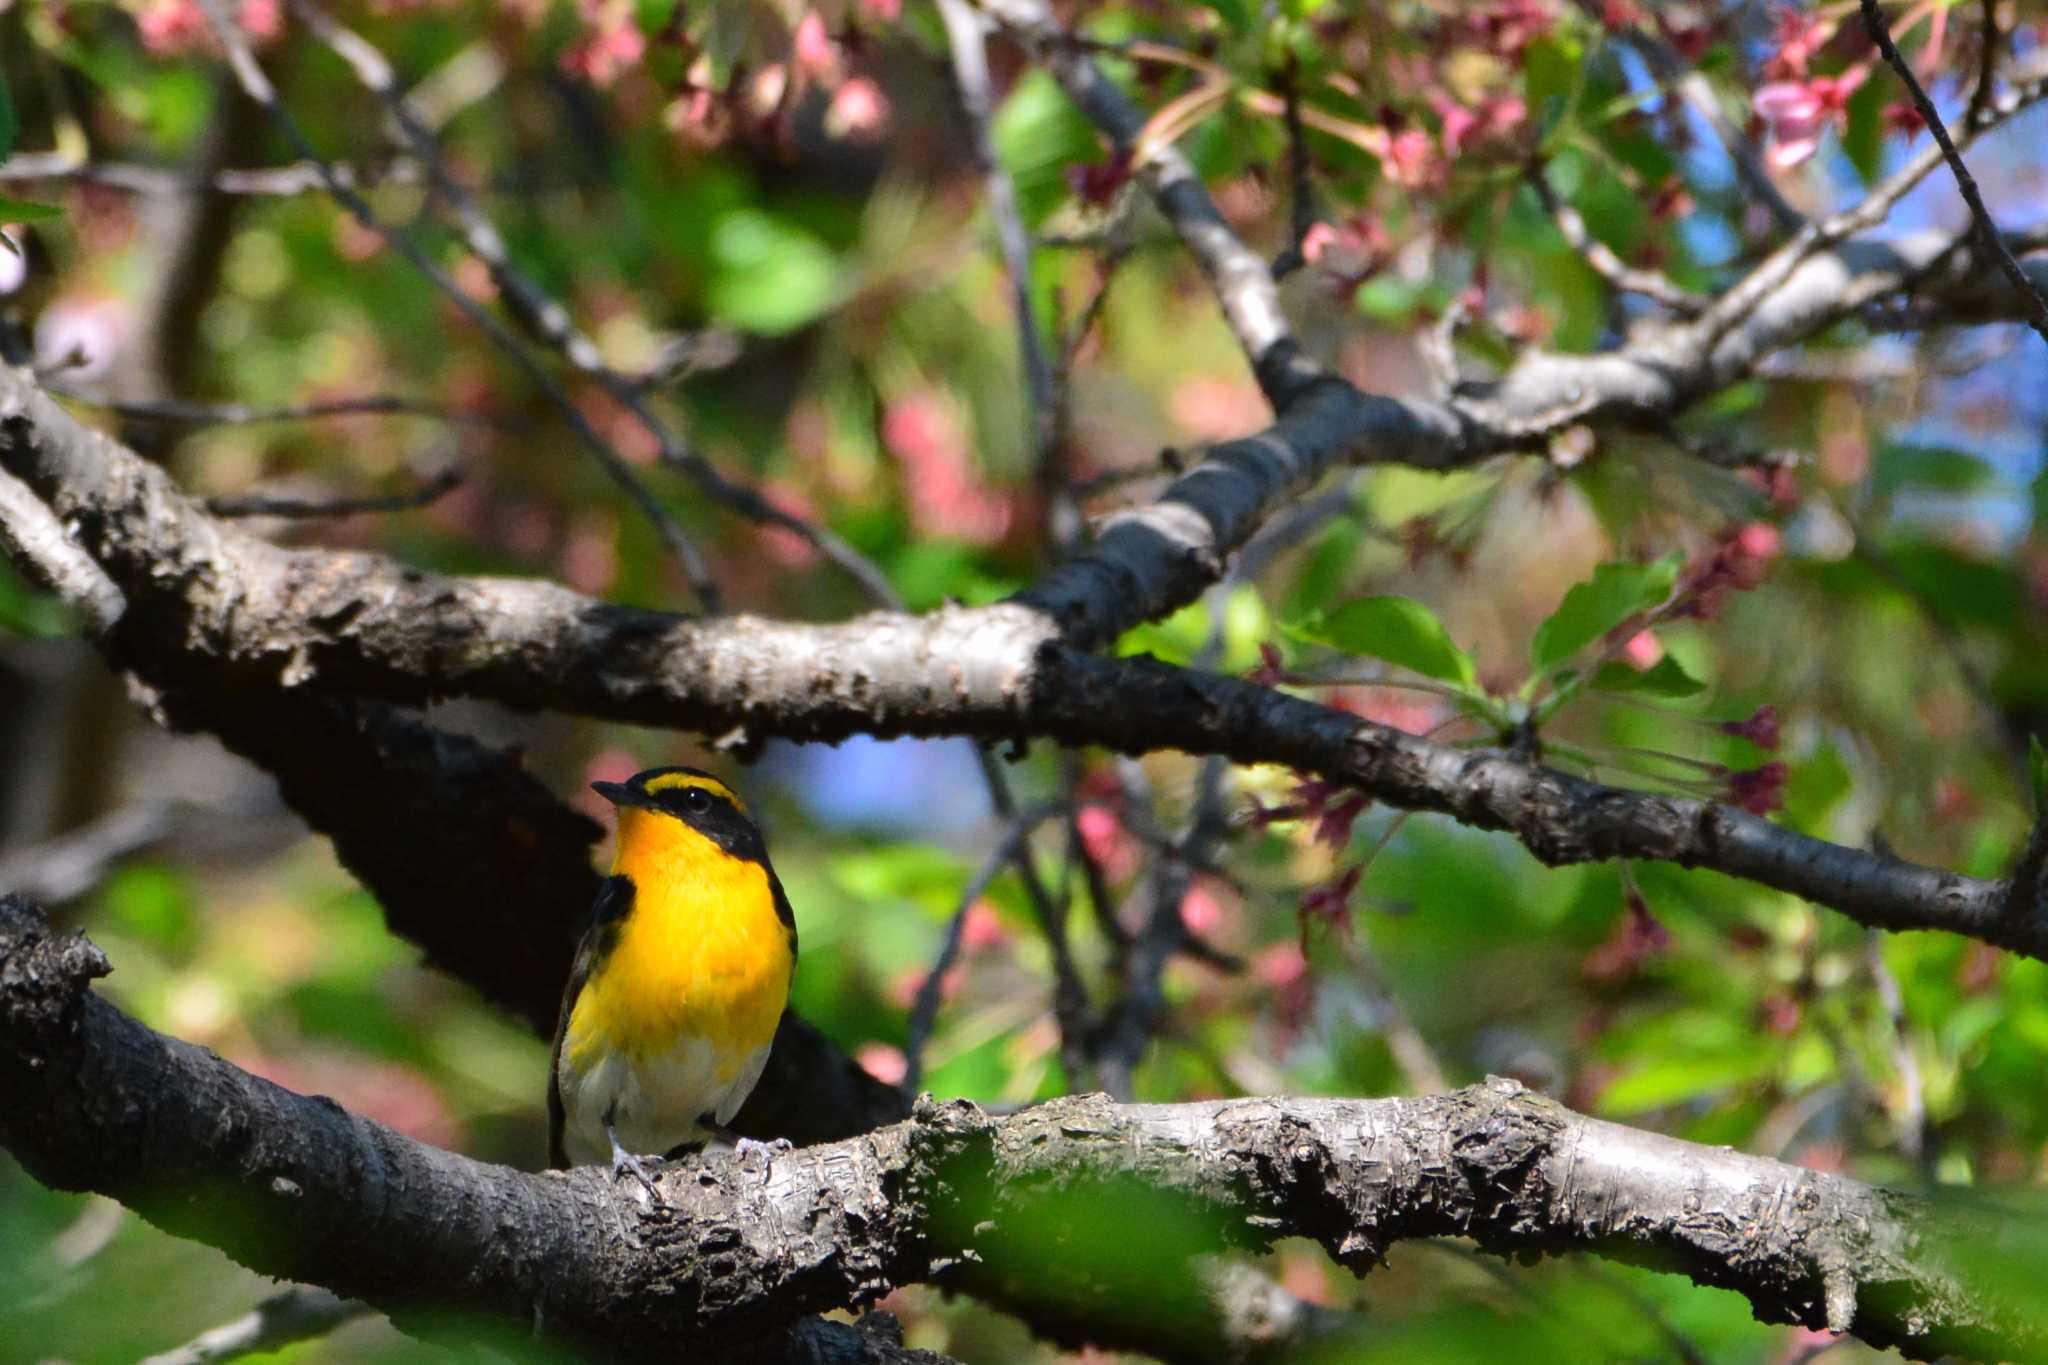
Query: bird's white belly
{"type": "Point", "coordinates": [656, 1102]}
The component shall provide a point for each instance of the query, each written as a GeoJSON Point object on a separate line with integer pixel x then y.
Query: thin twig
{"type": "Point", "coordinates": [968, 42]}
{"type": "Point", "coordinates": [1987, 64]}
{"type": "Point", "coordinates": [1987, 231]}
{"type": "Point", "coordinates": [300, 1313]}
{"type": "Point", "coordinates": [173, 410]}
{"type": "Point", "coordinates": [1130, 1023]}
{"type": "Point", "coordinates": [1651, 284]}
{"type": "Point", "coordinates": [1301, 173]}
{"type": "Point", "coordinates": [546, 318]}
{"type": "Point", "coordinates": [259, 505]}
{"type": "Point", "coordinates": [924, 1010]}
{"type": "Point", "coordinates": [280, 182]}
{"type": "Point", "coordinates": [249, 73]}
{"type": "Point", "coordinates": [71, 864]}
{"type": "Point", "coordinates": [1916, 1134]}
{"type": "Point", "coordinates": [1412, 1054]}
{"type": "Point", "coordinates": [1697, 93]}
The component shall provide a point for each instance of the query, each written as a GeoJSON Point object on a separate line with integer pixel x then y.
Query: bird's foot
{"type": "Point", "coordinates": [745, 1147]}
{"type": "Point", "coordinates": [645, 1169]}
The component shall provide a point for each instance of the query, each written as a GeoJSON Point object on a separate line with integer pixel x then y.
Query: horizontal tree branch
{"type": "Point", "coordinates": [240, 609]}
{"type": "Point", "coordinates": [299, 1187]}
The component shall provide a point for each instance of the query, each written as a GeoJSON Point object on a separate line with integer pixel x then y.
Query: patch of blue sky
{"type": "Point", "coordinates": [925, 788]}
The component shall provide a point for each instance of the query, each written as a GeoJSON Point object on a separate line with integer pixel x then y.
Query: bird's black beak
{"type": "Point", "coordinates": [620, 794]}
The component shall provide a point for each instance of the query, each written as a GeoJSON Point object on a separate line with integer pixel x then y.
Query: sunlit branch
{"type": "Point", "coordinates": [360, 623]}
{"type": "Point", "coordinates": [299, 1187]}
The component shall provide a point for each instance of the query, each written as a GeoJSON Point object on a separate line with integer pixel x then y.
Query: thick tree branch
{"type": "Point", "coordinates": [299, 1187]}
{"type": "Point", "coordinates": [242, 611]}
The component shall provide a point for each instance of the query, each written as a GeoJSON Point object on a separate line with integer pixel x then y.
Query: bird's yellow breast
{"type": "Point", "coordinates": [700, 955]}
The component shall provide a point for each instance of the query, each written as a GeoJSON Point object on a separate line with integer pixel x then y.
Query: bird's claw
{"type": "Point", "coordinates": [746, 1147]}
{"type": "Point", "coordinates": [645, 1169]}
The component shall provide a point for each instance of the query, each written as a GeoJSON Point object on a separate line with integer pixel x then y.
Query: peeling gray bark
{"type": "Point", "coordinates": [238, 612]}
{"type": "Point", "coordinates": [298, 1187]}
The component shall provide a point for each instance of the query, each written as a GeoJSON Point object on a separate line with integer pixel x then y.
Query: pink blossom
{"type": "Point", "coordinates": [1643, 650]}
{"type": "Point", "coordinates": [883, 11]}
{"type": "Point", "coordinates": [1903, 116]}
{"type": "Point", "coordinates": [1331, 902]}
{"type": "Point", "coordinates": [1271, 671]}
{"type": "Point", "coordinates": [263, 20]}
{"type": "Point", "coordinates": [1757, 790]}
{"type": "Point", "coordinates": [607, 54]}
{"type": "Point", "coordinates": [80, 338]}
{"type": "Point", "coordinates": [1352, 251]}
{"type": "Point", "coordinates": [1761, 729]}
{"type": "Point", "coordinates": [982, 929]}
{"type": "Point", "coordinates": [884, 1062]}
{"type": "Point", "coordinates": [1795, 38]}
{"type": "Point", "coordinates": [946, 497]}
{"type": "Point", "coordinates": [1096, 183]}
{"type": "Point", "coordinates": [1103, 837]}
{"type": "Point", "coordinates": [1411, 160]}
{"type": "Point", "coordinates": [817, 56]}
{"type": "Point", "coordinates": [1796, 113]}
{"type": "Point", "coordinates": [698, 118]}
{"type": "Point", "coordinates": [1496, 117]}
{"type": "Point", "coordinates": [168, 27]}
{"type": "Point", "coordinates": [859, 110]}
{"type": "Point", "coordinates": [1635, 940]}
{"type": "Point", "coordinates": [1200, 912]}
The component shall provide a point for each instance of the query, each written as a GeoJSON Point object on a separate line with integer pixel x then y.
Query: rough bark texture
{"type": "Point", "coordinates": [301, 1188]}
{"type": "Point", "coordinates": [236, 613]}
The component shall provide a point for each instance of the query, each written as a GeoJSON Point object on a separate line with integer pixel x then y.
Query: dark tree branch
{"type": "Point", "coordinates": [299, 1187]}
{"type": "Point", "coordinates": [1988, 238]}
{"type": "Point", "coordinates": [240, 611]}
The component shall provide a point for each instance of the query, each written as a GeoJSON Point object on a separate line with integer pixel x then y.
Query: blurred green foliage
{"type": "Point", "coordinates": [1888, 599]}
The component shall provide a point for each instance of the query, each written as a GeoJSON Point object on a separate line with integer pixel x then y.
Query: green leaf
{"type": "Point", "coordinates": [1399, 630]}
{"type": "Point", "coordinates": [1931, 467]}
{"type": "Point", "coordinates": [1667, 679]}
{"type": "Point", "coordinates": [773, 276]}
{"type": "Point", "coordinates": [1591, 609]}
{"type": "Point", "coordinates": [10, 122]}
{"type": "Point", "coordinates": [21, 211]}
{"type": "Point", "coordinates": [1864, 134]}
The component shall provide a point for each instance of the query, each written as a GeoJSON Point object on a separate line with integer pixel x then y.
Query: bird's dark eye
{"type": "Point", "coordinates": [697, 800]}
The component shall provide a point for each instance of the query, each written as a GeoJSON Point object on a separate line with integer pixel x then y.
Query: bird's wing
{"type": "Point", "coordinates": [614, 899]}
{"type": "Point", "coordinates": [783, 913]}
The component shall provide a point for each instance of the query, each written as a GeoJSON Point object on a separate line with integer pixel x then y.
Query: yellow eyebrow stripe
{"type": "Point", "coordinates": [669, 782]}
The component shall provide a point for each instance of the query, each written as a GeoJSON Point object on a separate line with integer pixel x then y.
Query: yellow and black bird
{"type": "Point", "coordinates": [678, 984]}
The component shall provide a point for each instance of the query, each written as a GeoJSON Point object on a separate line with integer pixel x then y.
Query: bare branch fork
{"type": "Point", "coordinates": [299, 1187]}
{"type": "Point", "coordinates": [1988, 236]}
